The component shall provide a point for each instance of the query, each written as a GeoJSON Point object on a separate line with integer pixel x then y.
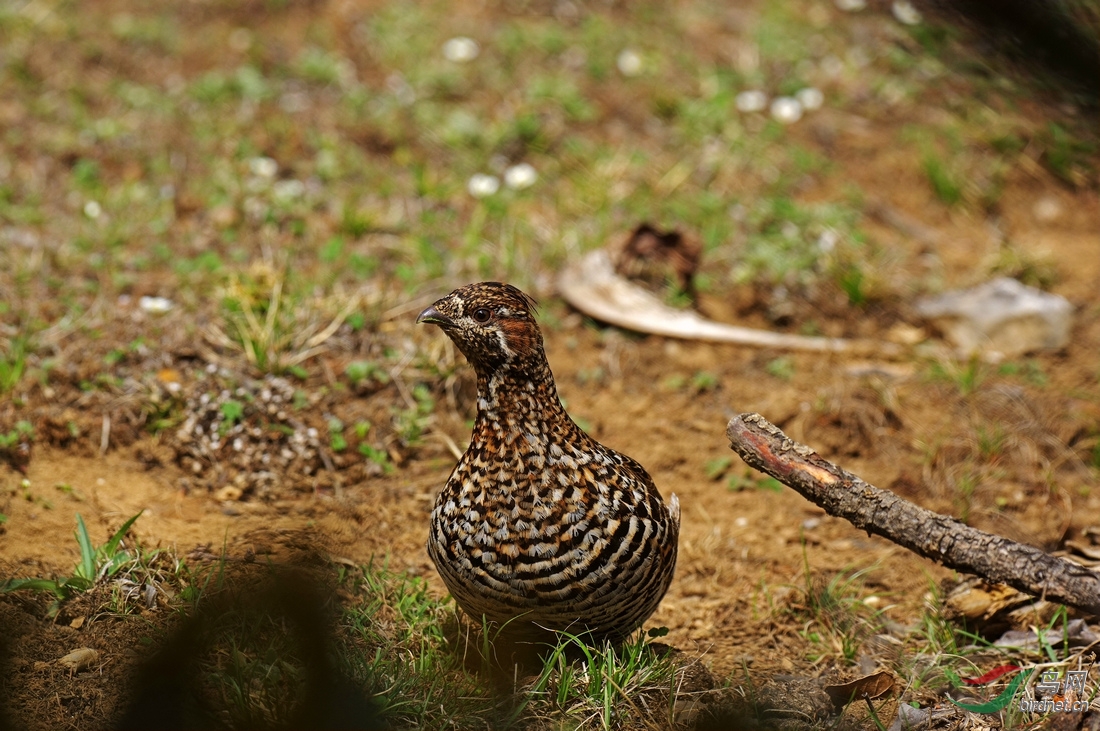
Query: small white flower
{"type": "Point", "coordinates": [810, 98]}
{"type": "Point", "coordinates": [786, 109]}
{"type": "Point", "coordinates": [263, 167]}
{"type": "Point", "coordinates": [93, 210]}
{"type": "Point", "coordinates": [629, 62]}
{"type": "Point", "coordinates": [905, 12]}
{"type": "Point", "coordinates": [461, 49]}
{"type": "Point", "coordinates": [753, 100]}
{"type": "Point", "coordinates": [481, 185]}
{"type": "Point", "coordinates": [518, 177]}
{"type": "Point", "coordinates": [155, 305]}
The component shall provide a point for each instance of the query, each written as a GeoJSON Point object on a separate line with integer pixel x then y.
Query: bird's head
{"type": "Point", "coordinates": [493, 324]}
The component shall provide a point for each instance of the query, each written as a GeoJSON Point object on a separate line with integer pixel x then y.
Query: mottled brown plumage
{"type": "Point", "coordinates": [539, 525]}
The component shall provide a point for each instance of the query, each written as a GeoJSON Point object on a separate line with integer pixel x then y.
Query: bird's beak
{"type": "Point", "coordinates": [434, 316]}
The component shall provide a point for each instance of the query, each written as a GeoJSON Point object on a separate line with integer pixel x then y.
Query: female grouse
{"type": "Point", "coordinates": [539, 525]}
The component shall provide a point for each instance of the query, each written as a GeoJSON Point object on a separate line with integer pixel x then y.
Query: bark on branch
{"type": "Point", "coordinates": [941, 538]}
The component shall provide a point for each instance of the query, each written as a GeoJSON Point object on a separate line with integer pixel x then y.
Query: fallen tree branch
{"type": "Point", "coordinates": [938, 537]}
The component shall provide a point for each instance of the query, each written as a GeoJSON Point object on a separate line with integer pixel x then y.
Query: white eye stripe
{"type": "Point", "coordinates": [504, 344]}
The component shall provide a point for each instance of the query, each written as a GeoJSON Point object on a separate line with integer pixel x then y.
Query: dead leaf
{"type": "Point", "coordinates": [868, 687]}
{"type": "Point", "coordinates": [169, 375]}
{"type": "Point", "coordinates": [592, 285]}
{"type": "Point", "coordinates": [229, 493]}
{"type": "Point", "coordinates": [77, 623]}
{"type": "Point", "coordinates": [79, 659]}
{"type": "Point", "coordinates": [1091, 552]}
{"type": "Point", "coordinates": [979, 599]}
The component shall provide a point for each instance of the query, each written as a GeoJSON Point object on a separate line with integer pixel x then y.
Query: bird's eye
{"type": "Point", "coordinates": [482, 315]}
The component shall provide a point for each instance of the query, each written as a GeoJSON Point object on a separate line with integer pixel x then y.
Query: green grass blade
{"type": "Point", "coordinates": [49, 585]}
{"type": "Point", "coordinates": [111, 546]}
{"type": "Point", "coordinates": [86, 568]}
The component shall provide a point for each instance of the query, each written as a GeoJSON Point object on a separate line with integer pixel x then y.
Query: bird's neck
{"type": "Point", "coordinates": [519, 400]}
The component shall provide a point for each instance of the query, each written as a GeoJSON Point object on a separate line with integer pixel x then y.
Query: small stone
{"type": "Point", "coordinates": [1047, 209]}
{"type": "Point", "coordinates": [263, 167]}
{"type": "Point", "coordinates": [810, 98]}
{"type": "Point", "coordinates": [1000, 318]}
{"type": "Point", "coordinates": [93, 210]}
{"type": "Point", "coordinates": [905, 13]}
{"type": "Point", "coordinates": [851, 6]}
{"type": "Point", "coordinates": [288, 190]}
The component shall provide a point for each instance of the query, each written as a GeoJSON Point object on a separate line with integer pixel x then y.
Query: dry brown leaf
{"type": "Point", "coordinates": [868, 687]}
{"type": "Point", "coordinates": [79, 659]}
{"type": "Point", "coordinates": [592, 285]}
{"type": "Point", "coordinates": [977, 599]}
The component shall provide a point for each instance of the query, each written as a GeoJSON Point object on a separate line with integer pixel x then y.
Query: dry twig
{"type": "Point", "coordinates": [939, 537]}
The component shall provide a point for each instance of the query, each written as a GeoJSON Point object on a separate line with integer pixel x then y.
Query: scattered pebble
{"type": "Point", "coordinates": [786, 109]}
{"type": "Point", "coordinates": [461, 49]}
{"type": "Point", "coordinates": [263, 167]}
{"type": "Point", "coordinates": [155, 305]}
{"type": "Point", "coordinates": [810, 98]}
{"type": "Point", "coordinates": [851, 6]}
{"type": "Point", "coordinates": [1047, 209]}
{"type": "Point", "coordinates": [629, 62]}
{"type": "Point", "coordinates": [811, 523]}
{"type": "Point", "coordinates": [221, 441]}
{"type": "Point", "coordinates": [905, 12]}
{"type": "Point", "coordinates": [288, 190]}
{"type": "Point", "coordinates": [520, 176]}
{"type": "Point", "coordinates": [93, 210]}
{"type": "Point", "coordinates": [751, 101]}
{"type": "Point", "coordinates": [482, 185]}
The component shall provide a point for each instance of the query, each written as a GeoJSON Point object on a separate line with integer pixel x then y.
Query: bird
{"type": "Point", "coordinates": [540, 528]}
